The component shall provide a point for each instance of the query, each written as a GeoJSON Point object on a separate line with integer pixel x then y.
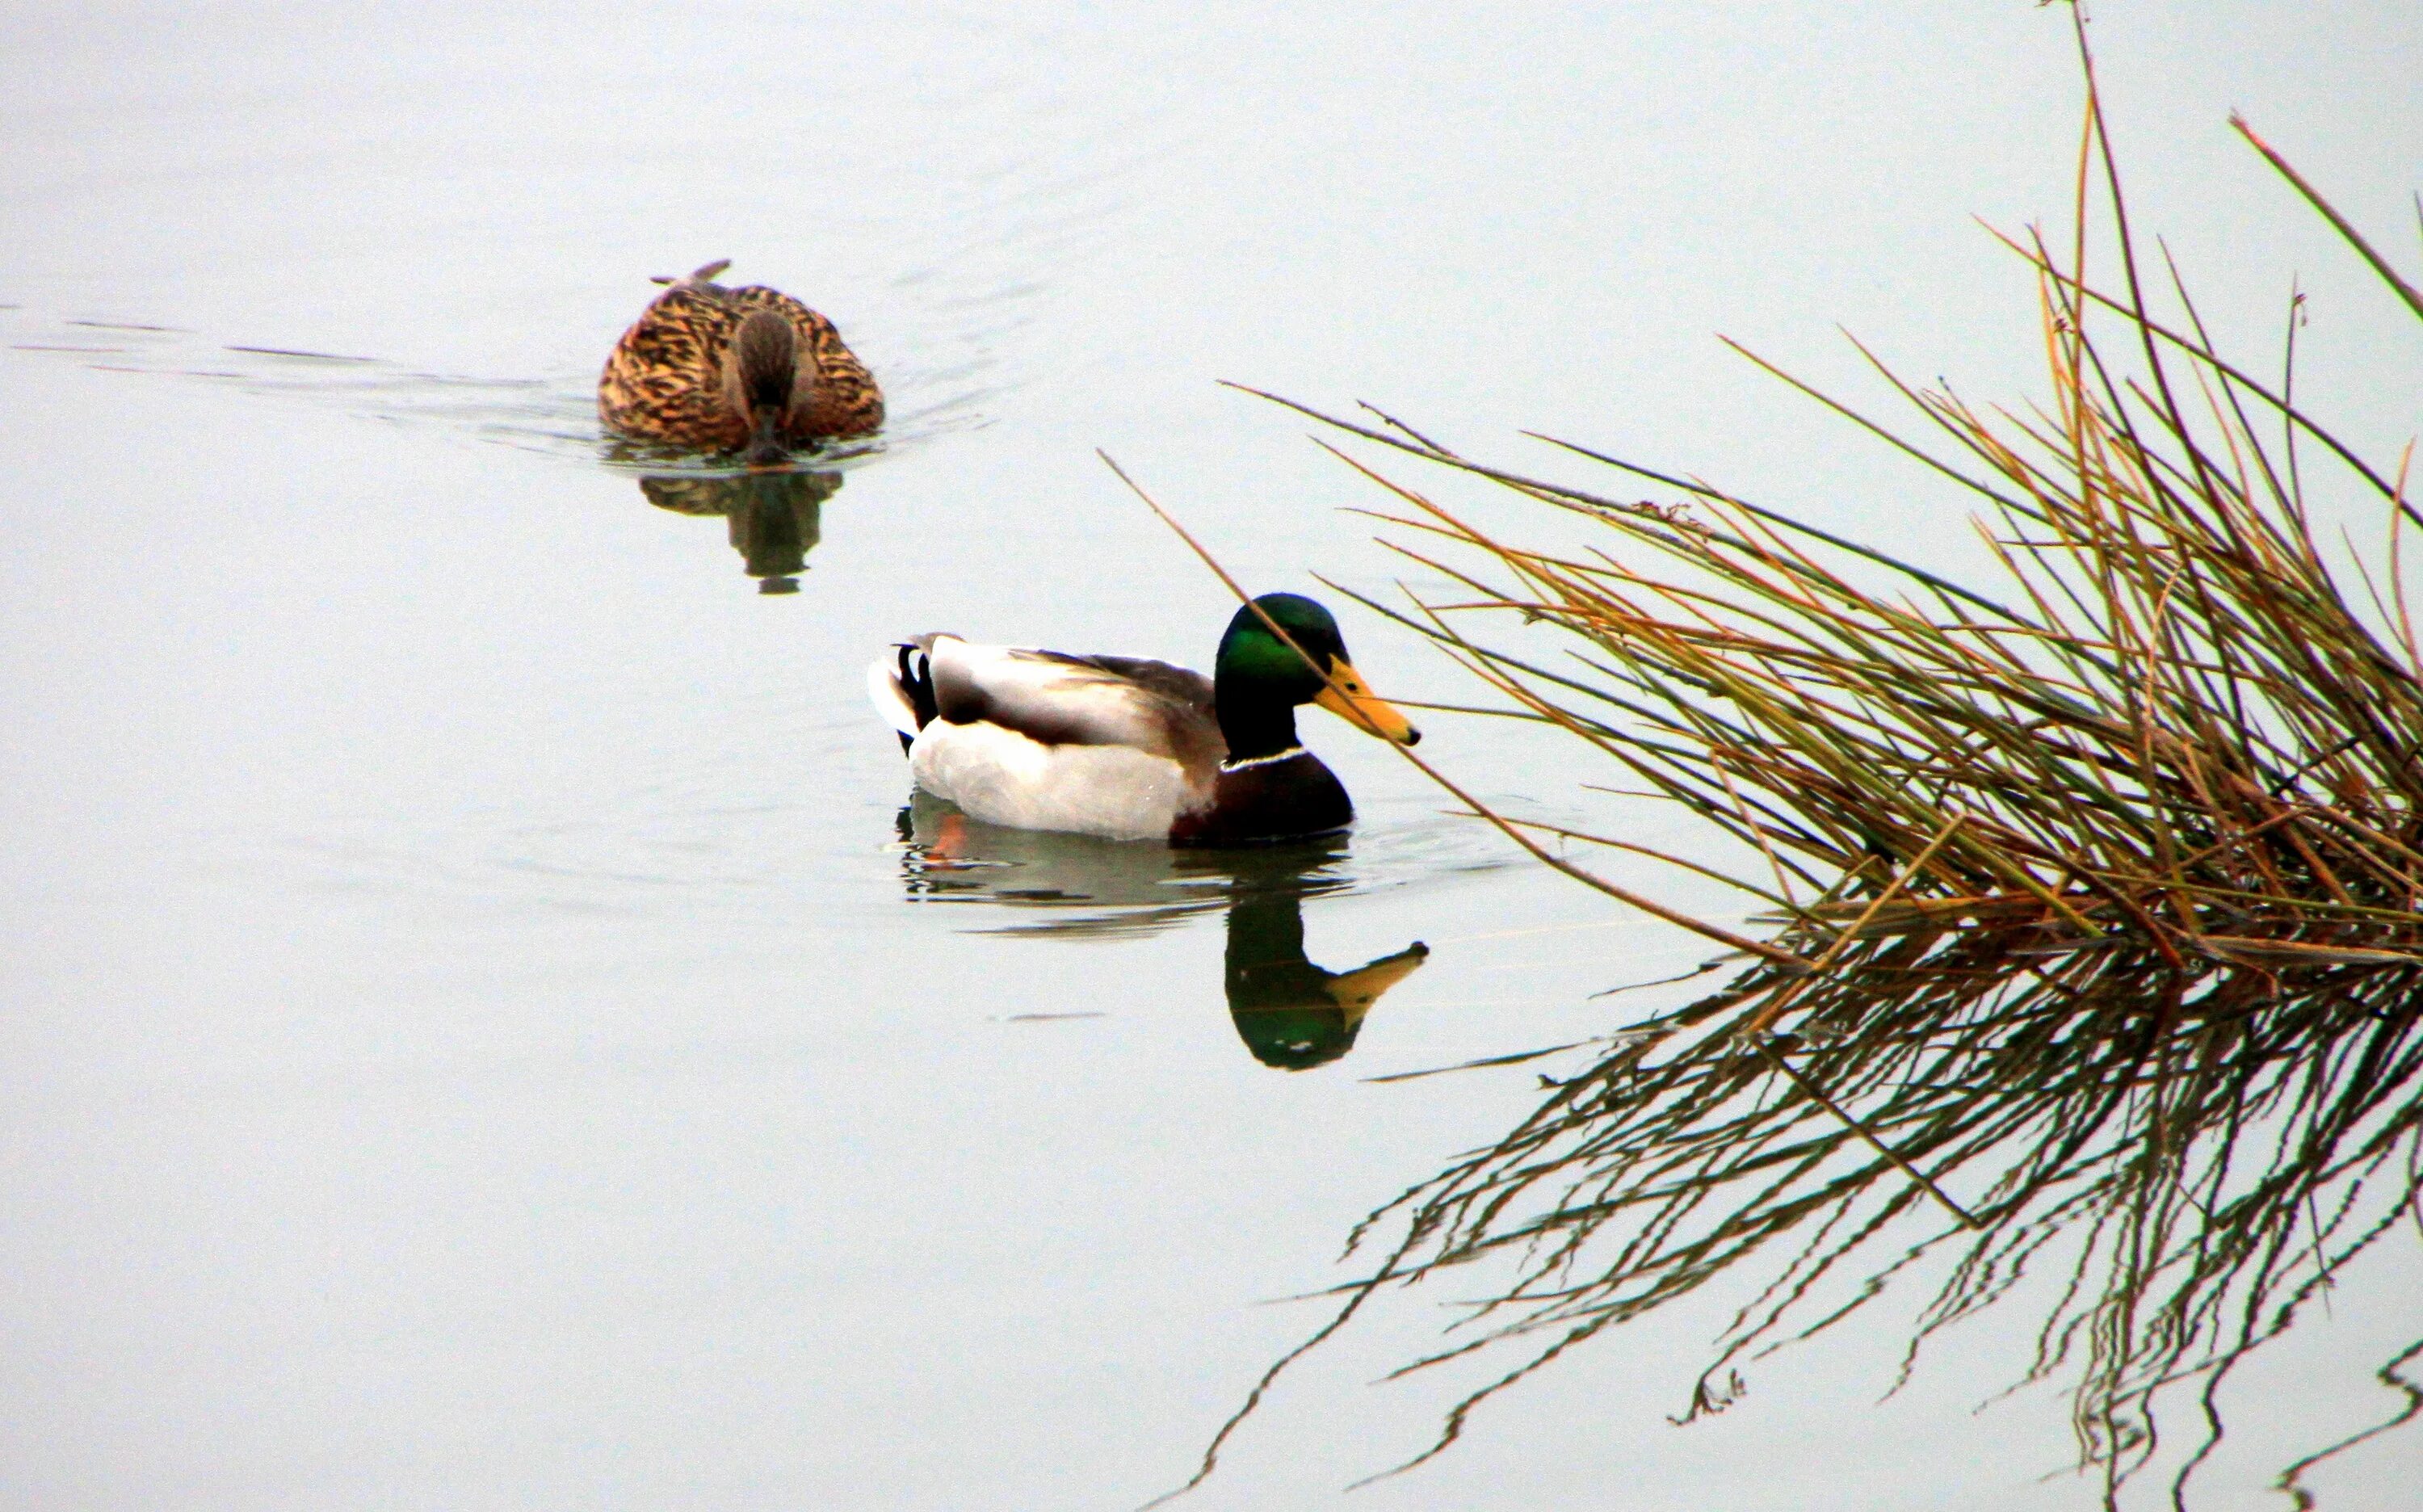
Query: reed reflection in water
{"type": "Point", "coordinates": [2167, 1166]}
{"type": "Point", "coordinates": [1291, 1012]}
{"type": "Point", "coordinates": [772, 514]}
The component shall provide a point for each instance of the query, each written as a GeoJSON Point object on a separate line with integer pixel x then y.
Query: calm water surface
{"type": "Point", "coordinates": [485, 1025]}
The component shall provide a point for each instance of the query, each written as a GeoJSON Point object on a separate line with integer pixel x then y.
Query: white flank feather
{"type": "Point", "coordinates": [1001, 777]}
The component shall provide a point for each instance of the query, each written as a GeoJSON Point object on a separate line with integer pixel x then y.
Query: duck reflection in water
{"type": "Point", "coordinates": [771, 513]}
{"type": "Point", "coordinates": [1291, 1012]}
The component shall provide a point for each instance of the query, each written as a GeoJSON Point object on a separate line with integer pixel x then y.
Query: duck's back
{"type": "Point", "coordinates": [664, 379]}
{"type": "Point", "coordinates": [1112, 746]}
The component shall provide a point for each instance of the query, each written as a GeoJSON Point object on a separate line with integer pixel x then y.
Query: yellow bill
{"type": "Point", "coordinates": [1355, 992]}
{"type": "Point", "coordinates": [1351, 699]}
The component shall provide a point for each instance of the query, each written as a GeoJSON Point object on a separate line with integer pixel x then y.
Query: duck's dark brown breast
{"type": "Point", "coordinates": [1277, 800]}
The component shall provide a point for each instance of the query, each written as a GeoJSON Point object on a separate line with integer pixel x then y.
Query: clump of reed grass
{"type": "Point", "coordinates": [2097, 892]}
{"type": "Point", "coordinates": [2171, 725]}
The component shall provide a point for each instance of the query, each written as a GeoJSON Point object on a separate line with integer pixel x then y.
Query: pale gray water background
{"type": "Point", "coordinates": [469, 1037]}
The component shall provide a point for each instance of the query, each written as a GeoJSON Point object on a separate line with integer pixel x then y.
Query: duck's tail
{"type": "Point", "coordinates": [901, 683]}
{"type": "Point", "coordinates": [699, 278]}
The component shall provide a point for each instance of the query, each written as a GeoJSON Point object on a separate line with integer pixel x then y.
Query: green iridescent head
{"type": "Point", "coordinates": [1258, 671]}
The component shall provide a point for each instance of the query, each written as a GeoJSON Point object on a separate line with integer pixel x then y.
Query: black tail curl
{"type": "Point", "coordinates": [916, 677]}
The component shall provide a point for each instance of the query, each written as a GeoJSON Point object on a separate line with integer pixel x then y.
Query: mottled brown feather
{"type": "Point", "coordinates": [664, 380]}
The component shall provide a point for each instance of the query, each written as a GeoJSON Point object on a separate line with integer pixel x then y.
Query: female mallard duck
{"type": "Point", "coordinates": [1136, 750]}
{"type": "Point", "coordinates": [721, 369]}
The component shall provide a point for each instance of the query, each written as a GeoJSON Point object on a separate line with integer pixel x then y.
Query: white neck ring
{"type": "Point", "coordinates": [1289, 754]}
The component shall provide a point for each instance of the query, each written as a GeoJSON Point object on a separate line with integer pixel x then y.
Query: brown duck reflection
{"type": "Point", "coordinates": [772, 514]}
{"type": "Point", "coordinates": [1291, 1012]}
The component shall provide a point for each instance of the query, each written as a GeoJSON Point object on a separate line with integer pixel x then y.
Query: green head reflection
{"type": "Point", "coordinates": [1291, 1012]}
{"type": "Point", "coordinates": [772, 516]}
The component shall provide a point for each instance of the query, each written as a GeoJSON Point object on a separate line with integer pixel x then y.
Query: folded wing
{"type": "Point", "coordinates": [1057, 699]}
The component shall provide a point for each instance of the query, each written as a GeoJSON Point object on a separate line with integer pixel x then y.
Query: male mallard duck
{"type": "Point", "coordinates": [1130, 749]}
{"type": "Point", "coordinates": [721, 369]}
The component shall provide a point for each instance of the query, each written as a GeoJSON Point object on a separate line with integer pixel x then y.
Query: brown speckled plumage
{"type": "Point", "coordinates": [665, 380]}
